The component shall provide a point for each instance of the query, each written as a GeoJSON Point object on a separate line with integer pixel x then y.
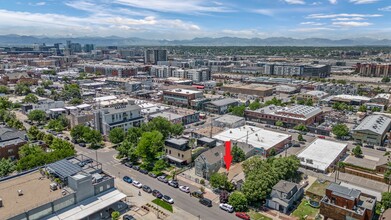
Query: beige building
{"type": "Point", "coordinates": [178, 151]}
{"type": "Point", "coordinates": [249, 89]}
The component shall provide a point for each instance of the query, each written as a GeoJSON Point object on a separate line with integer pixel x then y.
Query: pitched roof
{"type": "Point", "coordinates": [223, 102]}
{"type": "Point", "coordinates": [344, 191]}
{"type": "Point", "coordinates": [375, 123]}
{"type": "Point", "coordinates": [284, 186]}
{"type": "Point", "coordinates": [214, 155]}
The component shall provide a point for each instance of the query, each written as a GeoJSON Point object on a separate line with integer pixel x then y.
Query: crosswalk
{"type": "Point", "coordinates": [110, 163]}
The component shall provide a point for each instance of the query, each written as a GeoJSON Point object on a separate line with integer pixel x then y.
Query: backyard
{"type": "Point", "coordinates": [304, 210]}
{"type": "Point", "coordinates": [317, 189]}
{"type": "Point", "coordinates": [257, 216]}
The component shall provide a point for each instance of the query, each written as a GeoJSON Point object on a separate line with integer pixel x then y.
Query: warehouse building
{"type": "Point", "coordinates": [249, 89]}
{"type": "Point", "coordinates": [372, 130]}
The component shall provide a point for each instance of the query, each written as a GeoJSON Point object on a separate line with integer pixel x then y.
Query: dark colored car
{"type": "Point", "coordinates": [369, 146]}
{"type": "Point", "coordinates": [173, 183]}
{"type": "Point", "coordinates": [67, 138]}
{"type": "Point", "coordinates": [143, 171]}
{"type": "Point", "coordinates": [147, 189]}
{"type": "Point", "coordinates": [82, 163]}
{"type": "Point", "coordinates": [129, 164]}
{"type": "Point", "coordinates": [82, 145]}
{"type": "Point", "coordinates": [128, 217]}
{"type": "Point", "coordinates": [157, 194]}
{"type": "Point", "coordinates": [152, 175]}
{"type": "Point", "coordinates": [206, 202]}
{"type": "Point", "coordinates": [136, 168]}
{"type": "Point", "coordinates": [242, 215]}
{"type": "Point", "coordinates": [197, 194]}
{"type": "Point", "coordinates": [162, 179]}
{"type": "Point", "coordinates": [127, 179]}
{"type": "Point", "coordinates": [89, 160]}
{"type": "Point", "coordinates": [381, 148]}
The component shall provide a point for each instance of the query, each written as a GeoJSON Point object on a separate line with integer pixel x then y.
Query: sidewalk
{"type": "Point", "coordinates": [136, 202]}
{"type": "Point", "coordinates": [208, 193]}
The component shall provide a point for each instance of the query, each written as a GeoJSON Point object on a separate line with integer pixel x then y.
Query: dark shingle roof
{"type": "Point", "coordinates": [284, 186]}
{"type": "Point", "coordinates": [344, 191]}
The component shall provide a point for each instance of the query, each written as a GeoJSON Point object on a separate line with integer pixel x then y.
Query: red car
{"type": "Point", "coordinates": [243, 215]}
{"type": "Point", "coordinates": [322, 137]}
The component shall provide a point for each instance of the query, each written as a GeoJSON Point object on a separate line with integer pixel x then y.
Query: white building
{"type": "Point", "coordinates": [322, 154]}
{"type": "Point", "coordinates": [124, 116]}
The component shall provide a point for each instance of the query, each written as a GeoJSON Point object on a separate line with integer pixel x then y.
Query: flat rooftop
{"type": "Point", "coordinates": [321, 153]}
{"type": "Point", "coordinates": [249, 87]}
{"type": "Point", "coordinates": [36, 192]}
{"type": "Point", "coordinates": [257, 137]}
{"type": "Point", "coordinates": [184, 91]}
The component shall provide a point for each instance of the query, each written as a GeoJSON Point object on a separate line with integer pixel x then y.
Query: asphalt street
{"type": "Point", "coordinates": [181, 199]}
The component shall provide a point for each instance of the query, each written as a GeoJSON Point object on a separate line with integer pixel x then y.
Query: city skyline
{"type": "Point", "coordinates": [187, 19]}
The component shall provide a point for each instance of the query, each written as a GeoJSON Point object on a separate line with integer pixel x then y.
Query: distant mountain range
{"type": "Point", "coordinates": [10, 40]}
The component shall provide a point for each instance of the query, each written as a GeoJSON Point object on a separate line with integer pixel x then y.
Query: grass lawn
{"type": "Point", "coordinates": [303, 210]}
{"type": "Point", "coordinates": [318, 188]}
{"type": "Point", "coordinates": [163, 204]}
{"type": "Point", "coordinates": [257, 216]}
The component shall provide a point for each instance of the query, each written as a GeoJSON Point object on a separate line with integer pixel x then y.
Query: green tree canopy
{"type": "Point", "coordinates": [4, 89]}
{"type": "Point", "coordinates": [37, 115]}
{"type": "Point", "coordinates": [386, 200]}
{"type": "Point", "coordinates": [149, 146]}
{"type": "Point", "coordinates": [33, 132]}
{"type": "Point", "coordinates": [220, 181]}
{"type": "Point", "coordinates": [255, 105]}
{"type": "Point", "coordinates": [75, 101]}
{"type": "Point", "coordinates": [340, 130]}
{"type": "Point", "coordinates": [6, 167]}
{"type": "Point", "coordinates": [46, 84]}
{"type": "Point", "coordinates": [239, 201]}
{"type": "Point", "coordinates": [237, 154]}
{"type": "Point", "coordinates": [362, 108]}
{"type": "Point", "coordinates": [93, 137]}
{"type": "Point", "coordinates": [40, 91]}
{"type": "Point", "coordinates": [238, 110]}
{"type": "Point", "coordinates": [22, 89]}
{"type": "Point", "coordinates": [117, 135]}
{"type": "Point", "coordinates": [301, 127]}
{"type": "Point", "coordinates": [279, 123]}
{"type": "Point", "coordinates": [30, 98]}
{"type": "Point", "coordinates": [357, 151]}
{"type": "Point", "coordinates": [160, 165]}
{"type": "Point", "coordinates": [385, 79]}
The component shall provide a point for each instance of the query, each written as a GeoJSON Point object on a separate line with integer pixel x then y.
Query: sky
{"type": "Point", "coordinates": [187, 19]}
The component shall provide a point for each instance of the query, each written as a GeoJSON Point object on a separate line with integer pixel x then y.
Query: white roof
{"type": "Point", "coordinates": [57, 109]}
{"type": "Point", "coordinates": [185, 91]}
{"type": "Point", "coordinates": [83, 106]}
{"type": "Point", "coordinates": [352, 97]}
{"type": "Point", "coordinates": [378, 124]}
{"type": "Point", "coordinates": [257, 137]}
{"type": "Point", "coordinates": [88, 206]}
{"type": "Point", "coordinates": [321, 154]}
{"type": "Point", "coordinates": [105, 98]}
{"type": "Point", "coordinates": [71, 108]}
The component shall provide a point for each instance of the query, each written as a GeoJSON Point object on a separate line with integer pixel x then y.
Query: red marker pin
{"type": "Point", "coordinates": [227, 156]}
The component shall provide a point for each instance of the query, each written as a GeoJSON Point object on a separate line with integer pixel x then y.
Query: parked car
{"type": "Point", "coordinates": [242, 215]}
{"type": "Point", "coordinates": [173, 183]}
{"type": "Point", "coordinates": [267, 126]}
{"type": "Point", "coordinates": [282, 129]}
{"type": "Point", "coordinates": [67, 138]}
{"type": "Point", "coordinates": [197, 194]}
{"type": "Point", "coordinates": [127, 179]}
{"type": "Point", "coordinates": [310, 134]}
{"type": "Point", "coordinates": [162, 179]}
{"type": "Point", "coordinates": [137, 184]}
{"type": "Point", "coordinates": [381, 148]}
{"type": "Point", "coordinates": [152, 175]}
{"type": "Point", "coordinates": [143, 171]}
{"type": "Point", "coordinates": [157, 194]}
{"type": "Point", "coordinates": [128, 164]}
{"type": "Point", "coordinates": [185, 189]}
{"type": "Point", "coordinates": [321, 137]}
{"type": "Point", "coordinates": [168, 199]}
{"type": "Point", "coordinates": [128, 217]}
{"type": "Point", "coordinates": [82, 144]}
{"type": "Point", "coordinates": [147, 189]}
{"type": "Point", "coordinates": [82, 163]}
{"type": "Point", "coordinates": [136, 168]}
{"type": "Point", "coordinates": [291, 131]}
{"type": "Point", "coordinates": [226, 207]}
{"type": "Point", "coordinates": [89, 160]}
{"type": "Point", "coordinates": [369, 146]}
{"type": "Point", "coordinates": [206, 202]}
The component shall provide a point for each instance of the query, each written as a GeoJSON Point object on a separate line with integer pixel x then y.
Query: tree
{"type": "Point", "coordinates": [22, 89]}
{"type": "Point", "coordinates": [160, 165]}
{"type": "Point", "coordinates": [309, 102]}
{"type": "Point", "coordinates": [5, 103]}
{"type": "Point", "coordinates": [357, 152]}
{"type": "Point", "coordinates": [93, 137]}
{"type": "Point", "coordinates": [71, 91]}
{"type": "Point", "coordinates": [33, 132]}
{"type": "Point", "coordinates": [273, 152]}
{"type": "Point", "coordinates": [115, 215]}
{"type": "Point", "coordinates": [300, 127]}
{"type": "Point", "coordinates": [362, 108]}
{"type": "Point", "coordinates": [239, 201]}
{"type": "Point", "coordinates": [40, 91]}
{"type": "Point", "coordinates": [128, 149]}
{"type": "Point", "coordinates": [4, 89]}
{"type": "Point", "coordinates": [47, 83]}
{"type": "Point", "coordinates": [37, 115]}
{"type": "Point", "coordinates": [385, 79]}
{"type": "Point", "coordinates": [220, 181]}
{"type": "Point", "coordinates": [300, 137]}
{"type": "Point", "coordinates": [76, 101]}
{"type": "Point", "coordinates": [56, 125]}
{"type": "Point", "coordinates": [238, 110]}
{"type": "Point", "coordinates": [386, 200]}
{"type": "Point", "coordinates": [150, 144]}
{"type": "Point", "coordinates": [30, 98]}
{"type": "Point", "coordinates": [116, 135]}
{"type": "Point", "coordinates": [48, 139]}
{"type": "Point", "coordinates": [237, 154]}
{"type": "Point", "coordinates": [279, 123]}
{"type": "Point", "coordinates": [6, 167]}
{"type": "Point", "coordinates": [176, 129]}
{"type": "Point", "coordinates": [255, 105]}
{"type": "Point", "coordinates": [274, 101]}
{"type": "Point", "coordinates": [340, 130]}
{"type": "Point", "coordinates": [78, 132]}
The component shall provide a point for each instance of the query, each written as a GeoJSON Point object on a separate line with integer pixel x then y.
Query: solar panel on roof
{"type": "Point", "coordinates": [64, 168]}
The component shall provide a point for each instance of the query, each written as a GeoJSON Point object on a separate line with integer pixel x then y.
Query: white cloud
{"type": "Point", "coordinates": [359, 2]}
{"type": "Point", "coordinates": [37, 3]}
{"type": "Point", "coordinates": [295, 2]}
{"type": "Point", "coordinates": [349, 19]}
{"type": "Point", "coordinates": [267, 12]}
{"type": "Point", "coordinates": [387, 8]}
{"type": "Point", "coordinates": [333, 2]}
{"type": "Point", "coordinates": [312, 23]}
{"type": "Point", "coordinates": [351, 24]}
{"type": "Point", "coordinates": [177, 6]}
{"type": "Point", "coordinates": [312, 29]}
{"type": "Point", "coordinates": [326, 16]}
